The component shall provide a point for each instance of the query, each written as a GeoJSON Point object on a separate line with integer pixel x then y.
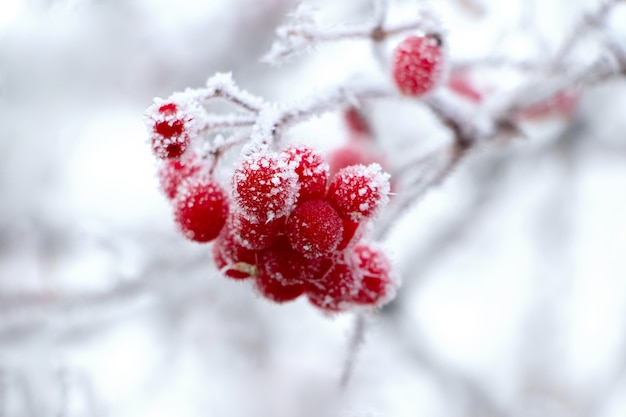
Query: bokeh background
{"type": "Point", "coordinates": [514, 296]}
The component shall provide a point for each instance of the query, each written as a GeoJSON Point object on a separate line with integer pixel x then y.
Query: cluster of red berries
{"type": "Point", "coordinates": [283, 223]}
{"type": "Point", "coordinates": [293, 235]}
{"type": "Point", "coordinates": [417, 64]}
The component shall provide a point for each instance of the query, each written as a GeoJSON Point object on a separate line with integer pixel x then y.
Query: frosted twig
{"type": "Point", "coordinates": [221, 85]}
{"type": "Point", "coordinates": [588, 22]}
{"type": "Point", "coordinates": [356, 342]}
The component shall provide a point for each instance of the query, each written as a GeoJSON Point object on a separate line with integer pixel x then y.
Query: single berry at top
{"type": "Point", "coordinates": [314, 229]}
{"type": "Point", "coordinates": [312, 172]}
{"type": "Point", "coordinates": [201, 208]}
{"type": "Point", "coordinates": [417, 64]}
{"type": "Point", "coordinates": [358, 192]}
{"type": "Point", "coordinates": [264, 186]}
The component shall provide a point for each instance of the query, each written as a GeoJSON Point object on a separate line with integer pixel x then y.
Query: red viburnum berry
{"type": "Point", "coordinates": [236, 261]}
{"type": "Point", "coordinates": [171, 126]}
{"type": "Point", "coordinates": [312, 172]}
{"type": "Point", "coordinates": [349, 233]}
{"type": "Point", "coordinates": [264, 186]}
{"type": "Point", "coordinates": [289, 266]}
{"type": "Point", "coordinates": [255, 235]}
{"type": "Point", "coordinates": [173, 172]}
{"type": "Point", "coordinates": [333, 292]}
{"type": "Point", "coordinates": [417, 64]}
{"type": "Point", "coordinates": [358, 192]}
{"type": "Point", "coordinates": [201, 209]}
{"type": "Point", "coordinates": [314, 229]}
{"type": "Point", "coordinates": [378, 284]}
{"type": "Point", "coordinates": [274, 289]}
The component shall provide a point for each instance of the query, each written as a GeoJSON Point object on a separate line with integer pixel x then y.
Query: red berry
{"type": "Point", "coordinates": [172, 124]}
{"type": "Point", "coordinates": [173, 171]}
{"type": "Point", "coordinates": [255, 235]}
{"type": "Point", "coordinates": [240, 262]}
{"type": "Point", "coordinates": [314, 229]}
{"type": "Point", "coordinates": [349, 231]}
{"type": "Point", "coordinates": [358, 192]}
{"type": "Point", "coordinates": [289, 266]}
{"type": "Point", "coordinates": [264, 186]}
{"type": "Point", "coordinates": [417, 64]}
{"type": "Point", "coordinates": [201, 208]}
{"type": "Point", "coordinates": [312, 172]}
{"type": "Point", "coordinates": [333, 292]}
{"type": "Point", "coordinates": [378, 285]}
{"type": "Point", "coordinates": [277, 290]}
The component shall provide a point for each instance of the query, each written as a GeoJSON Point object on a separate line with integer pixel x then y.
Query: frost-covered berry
{"type": "Point", "coordinates": [417, 64]}
{"type": "Point", "coordinates": [264, 186]}
{"type": "Point", "coordinates": [172, 172]}
{"type": "Point", "coordinates": [312, 172]}
{"type": "Point", "coordinates": [358, 192]}
{"type": "Point", "coordinates": [201, 208]}
{"type": "Point", "coordinates": [314, 229]}
{"type": "Point", "coordinates": [274, 289]}
{"type": "Point", "coordinates": [287, 265]}
{"type": "Point", "coordinates": [234, 260]}
{"type": "Point", "coordinates": [171, 127]}
{"type": "Point", "coordinates": [378, 284]}
{"type": "Point", "coordinates": [333, 292]}
{"type": "Point", "coordinates": [255, 235]}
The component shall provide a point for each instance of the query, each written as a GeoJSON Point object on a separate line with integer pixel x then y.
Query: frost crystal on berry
{"type": "Point", "coordinates": [314, 229]}
{"type": "Point", "coordinates": [200, 209]}
{"type": "Point", "coordinates": [255, 235]}
{"type": "Point", "coordinates": [333, 292]}
{"type": "Point", "coordinates": [417, 64]}
{"type": "Point", "coordinates": [358, 192]}
{"type": "Point", "coordinates": [312, 172]}
{"type": "Point", "coordinates": [264, 186]}
{"type": "Point", "coordinates": [378, 284]}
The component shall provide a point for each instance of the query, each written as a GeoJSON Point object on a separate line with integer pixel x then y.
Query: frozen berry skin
{"type": "Point", "coordinates": [264, 186]}
{"type": "Point", "coordinates": [255, 235]}
{"type": "Point", "coordinates": [312, 172]}
{"type": "Point", "coordinates": [314, 229]}
{"type": "Point", "coordinates": [171, 126]}
{"type": "Point", "coordinates": [417, 64]}
{"type": "Point", "coordinates": [359, 192]}
{"type": "Point", "coordinates": [201, 209]}
{"type": "Point", "coordinates": [236, 261]}
{"type": "Point", "coordinates": [277, 290]}
{"type": "Point", "coordinates": [350, 235]}
{"type": "Point", "coordinates": [335, 290]}
{"type": "Point", "coordinates": [378, 284]}
{"type": "Point", "coordinates": [289, 266]}
{"type": "Point", "coordinates": [172, 172]}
